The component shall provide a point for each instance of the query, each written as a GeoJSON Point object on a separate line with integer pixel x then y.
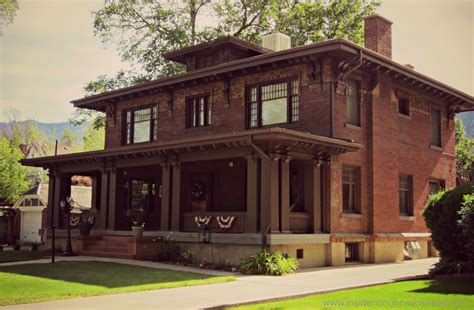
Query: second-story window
{"type": "Point", "coordinates": [198, 111]}
{"type": "Point", "coordinates": [435, 127]}
{"type": "Point", "coordinates": [353, 103]}
{"type": "Point", "coordinates": [404, 106]}
{"type": "Point", "coordinates": [141, 125]}
{"type": "Point", "coordinates": [271, 104]}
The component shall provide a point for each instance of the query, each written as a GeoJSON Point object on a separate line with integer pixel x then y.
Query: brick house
{"type": "Point", "coordinates": [326, 151]}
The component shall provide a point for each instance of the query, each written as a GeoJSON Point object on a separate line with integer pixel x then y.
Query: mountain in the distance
{"type": "Point", "coordinates": [53, 131]}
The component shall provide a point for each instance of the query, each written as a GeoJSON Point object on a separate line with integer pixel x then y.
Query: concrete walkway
{"type": "Point", "coordinates": [247, 288]}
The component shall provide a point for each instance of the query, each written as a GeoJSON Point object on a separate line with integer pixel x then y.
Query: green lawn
{"type": "Point", "coordinates": [416, 294]}
{"type": "Point", "coordinates": [15, 256]}
{"type": "Point", "coordinates": [41, 282]}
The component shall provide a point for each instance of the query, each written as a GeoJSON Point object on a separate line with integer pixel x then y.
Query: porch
{"type": "Point", "coordinates": [270, 181]}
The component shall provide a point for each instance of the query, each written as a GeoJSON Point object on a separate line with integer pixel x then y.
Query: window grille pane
{"type": "Point", "coordinates": [350, 189]}
{"type": "Point", "coordinates": [274, 91]}
{"type": "Point", "coordinates": [253, 119]}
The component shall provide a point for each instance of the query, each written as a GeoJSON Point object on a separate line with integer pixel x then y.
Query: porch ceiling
{"type": "Point", "coordinates": [261, 142]}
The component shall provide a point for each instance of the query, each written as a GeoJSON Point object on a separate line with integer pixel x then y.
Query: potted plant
{"type": "Point", "coordinates": [86, 220]}
{"type": "Point", "coordinates": [138, 219]}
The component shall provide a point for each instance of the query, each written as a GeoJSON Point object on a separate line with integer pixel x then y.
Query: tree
{"type": "Point", "coordinates": [8, 10]}
{"type": "Point", "coordinates": [68, 139]}
{"type": "Point", "coordinates": [146, 29]}
{"type": "Point", "coordinates": [464, 153]}
{"type": "Point", "coordinates": [94, 139]}
{"type": "Point", "coordinates": [13, 176]}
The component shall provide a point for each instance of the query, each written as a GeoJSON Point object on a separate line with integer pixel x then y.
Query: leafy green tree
{"type": "Point", "coordinates": [146, 29]}
{"type": "Point", "coordinates": [8, 10]}
{"type": "Point", "coordinates": [464, 153]}
{"type": "Point", "coordinates": [94, 139]}
{"type": "Point", "coordinates": [69, 139]}
{"type": "Point", "coordinates": [13, 176]}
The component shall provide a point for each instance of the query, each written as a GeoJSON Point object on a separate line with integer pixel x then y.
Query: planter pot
{"type": "Point", "coordinates": [137, 231]}
{"type": "Point", "coordinates": [85, 229]}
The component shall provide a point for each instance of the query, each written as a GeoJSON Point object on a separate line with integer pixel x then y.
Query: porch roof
{"type": "Point", "coordinates": [261, 141]}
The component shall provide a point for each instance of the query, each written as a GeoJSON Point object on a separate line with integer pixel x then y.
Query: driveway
{"type": "Point", "coordinates": [248, 288]}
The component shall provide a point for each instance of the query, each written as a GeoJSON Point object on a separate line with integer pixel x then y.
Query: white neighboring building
{"type": "Point", "coordinates": [32, 205]}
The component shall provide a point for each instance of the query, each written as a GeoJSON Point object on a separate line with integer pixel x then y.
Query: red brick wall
{"type": "Point", "coordinates": [392, 144]}
{"type": "Point", "coordinates": [227, 115]}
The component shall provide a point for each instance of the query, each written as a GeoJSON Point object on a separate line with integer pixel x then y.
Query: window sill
{"type": "Point", "coordinates": [191, 129]}
{"type": "Point", "coordinates": [404, 116]}
{"type": "Point", "coordinates": [351, 215]}
{"type": "Point", "coordinates": [352, 126]}
{"type": "Point", "coordinates": [407, 218]}
{"type": "Point", "coordinates": [436, 148]}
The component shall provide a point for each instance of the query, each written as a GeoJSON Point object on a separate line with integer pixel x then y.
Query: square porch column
{"type": "Point", "coordinates": [104, 183]}
{"type": "Point", "coordinates": [312, 199]}
{"type": "Point", "coordinates": [176, 198]}
{"type": "Point", "coordinates": [53, 198]}
{"type": "Point", "coordinates": [165, 196]}
{"type": "Point", "coordinates": [269, 199]}
{"type": "Point", "coordinates": [112, 195]}
{"type": "Point", "coordinates": [285, 194]}
{"type": "Point", "coordinates": [252, 194]}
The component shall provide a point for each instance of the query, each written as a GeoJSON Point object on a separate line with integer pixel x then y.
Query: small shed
{"type": "Point", "coordinates": [31, 210]}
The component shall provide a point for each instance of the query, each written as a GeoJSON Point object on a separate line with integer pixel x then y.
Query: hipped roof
{"type": "Point", "coordinates": [343, 47]}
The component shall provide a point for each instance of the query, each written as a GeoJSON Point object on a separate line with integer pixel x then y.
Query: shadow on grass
{"type": "Point", "coordinates": [16, 256]}
{"type": "Point", "coordinates": [449, 286]}
{"type": "Point", "coordinates": [104, 274]}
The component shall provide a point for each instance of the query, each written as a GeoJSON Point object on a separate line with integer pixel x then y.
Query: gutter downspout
{"type": "Point", "coordinates": [332, 93]}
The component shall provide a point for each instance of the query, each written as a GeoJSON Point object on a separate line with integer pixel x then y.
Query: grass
{"type": "Point", "coordinates": [16, 256]}
{"type": "Point", "coordinates": [417, 294]}
{"type": "Point", "coordinates": [42, 282]}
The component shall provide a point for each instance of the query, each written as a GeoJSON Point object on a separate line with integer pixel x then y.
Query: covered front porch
{"type": "Point", "coordinates": [266, 181]}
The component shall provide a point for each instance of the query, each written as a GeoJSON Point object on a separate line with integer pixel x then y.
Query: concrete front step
{"type": "Point", "coordinates": [98, 248]}
{"type": "Point", "coordinates": [106, 254]}
{"type": "Point", "coordinates": [106, 243]}
{"type": "Point", "coordinates": [116, 238]}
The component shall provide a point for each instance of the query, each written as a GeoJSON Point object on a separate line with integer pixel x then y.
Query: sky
{"type": "Point", "coordinates": [49, 52]}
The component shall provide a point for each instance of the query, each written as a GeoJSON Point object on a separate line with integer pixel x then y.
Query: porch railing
{"type": "Point", "coordinates": [300, 222]}
{"type": "Point", "coordinates": [239, 225]}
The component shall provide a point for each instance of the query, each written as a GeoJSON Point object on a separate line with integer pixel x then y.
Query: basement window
{"type": "Point", "coordinates": [352, 252]}
{"type": "Point", "coordinates": [299, 253]}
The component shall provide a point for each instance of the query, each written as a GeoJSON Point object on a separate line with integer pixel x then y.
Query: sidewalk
{"type": "Point", "coordinates": [246, 288]}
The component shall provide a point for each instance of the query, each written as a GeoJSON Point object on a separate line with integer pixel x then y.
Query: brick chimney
{"type": "Point", "coordinates": [378, 35]}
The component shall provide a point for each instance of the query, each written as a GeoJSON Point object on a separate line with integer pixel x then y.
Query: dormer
{"type": "Point", "coordinates": [221, 50]}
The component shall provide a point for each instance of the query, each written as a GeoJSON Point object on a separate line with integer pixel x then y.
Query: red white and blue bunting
{"type": "Point", "coordinates": [226, 222]}
{"type": "Point", "coordinates": [203, 220]}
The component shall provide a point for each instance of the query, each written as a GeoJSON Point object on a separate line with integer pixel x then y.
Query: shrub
{"type": "Point", "coordinates": [467, 223]}
{"type": "Point", "coordinates": [187, 257]}
{"type": "Point", "coordinates": [441, 216]}
{"type": "Point", "coordinates": [269, 263]}
{"type": "Point", "coordinates": [168, 251]}
{"type": "Point", "coordinates": [447, 266]}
